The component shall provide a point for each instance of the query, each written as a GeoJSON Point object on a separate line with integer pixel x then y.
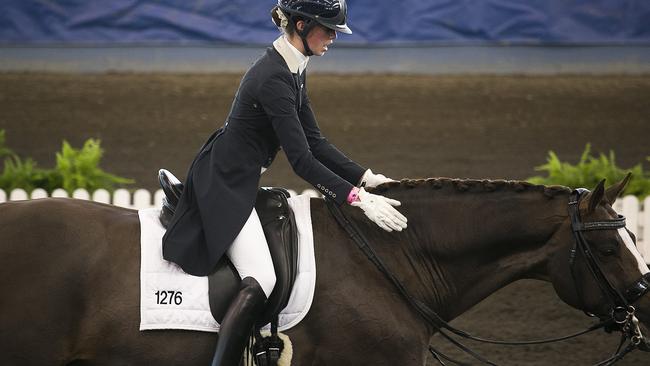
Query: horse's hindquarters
{"type": "Point", "coordinates": [64, 261]}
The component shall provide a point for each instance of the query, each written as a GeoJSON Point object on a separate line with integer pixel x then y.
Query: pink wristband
{"type": "Point", "coordinates": [353, 196]}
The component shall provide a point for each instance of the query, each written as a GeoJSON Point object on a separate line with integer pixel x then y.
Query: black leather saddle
{"type": "Point", "coordinates": [281, 235]}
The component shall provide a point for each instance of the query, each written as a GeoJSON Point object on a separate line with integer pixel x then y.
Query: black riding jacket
{"type": "Point", "coordinates": [271, 110]}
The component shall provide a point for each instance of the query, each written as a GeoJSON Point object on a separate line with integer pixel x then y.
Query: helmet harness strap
{"type": "Point", "coordinates": [309, 25]}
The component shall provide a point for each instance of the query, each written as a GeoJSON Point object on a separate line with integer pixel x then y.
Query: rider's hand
{"type": "Point", "coordinates": [380, 210]}
{"type": "Point", "coordinates": [369, 179]}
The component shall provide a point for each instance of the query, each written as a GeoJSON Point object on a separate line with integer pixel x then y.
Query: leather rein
{"type": "Point", "coordinates": [621, 315]}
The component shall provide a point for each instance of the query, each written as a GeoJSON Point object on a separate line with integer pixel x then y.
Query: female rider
{"type": "Point", "coordinates": [216, 214]}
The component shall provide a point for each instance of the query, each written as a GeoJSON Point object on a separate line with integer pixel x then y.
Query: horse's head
{"type": "Point", "coordinates": [597, 267]}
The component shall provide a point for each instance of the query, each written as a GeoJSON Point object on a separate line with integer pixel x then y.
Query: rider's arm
{"type": "Point", "coordinates": [278, 98]}
{"type": "Point", "coordinates": [324, 151]}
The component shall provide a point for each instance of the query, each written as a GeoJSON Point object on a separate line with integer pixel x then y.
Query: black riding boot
{"type": "Point", "coordinates": [238, 323]}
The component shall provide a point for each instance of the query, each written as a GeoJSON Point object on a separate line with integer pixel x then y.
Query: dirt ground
{"type": "Point", "coordinates": [401, 126]}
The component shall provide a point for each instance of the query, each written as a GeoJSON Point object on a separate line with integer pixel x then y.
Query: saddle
{"type": "Point", "coordinates": [281, 235]}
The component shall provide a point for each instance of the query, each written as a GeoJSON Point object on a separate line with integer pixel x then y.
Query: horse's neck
{"type": "Point", "coordinates": [460, 248]}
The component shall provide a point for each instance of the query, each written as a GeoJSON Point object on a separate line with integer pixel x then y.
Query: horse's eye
{"type": "Point", "coordinates": [607, 251]}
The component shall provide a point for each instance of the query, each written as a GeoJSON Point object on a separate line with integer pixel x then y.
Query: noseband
{"type": "Point", "coordinates": [621, 309]}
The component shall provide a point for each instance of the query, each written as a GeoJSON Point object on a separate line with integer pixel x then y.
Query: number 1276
{"type": "Point", "coordinates": [169, 297]}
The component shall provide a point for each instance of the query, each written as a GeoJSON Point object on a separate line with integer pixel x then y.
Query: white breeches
{"type": "Point", "coordinates": [250, 254]}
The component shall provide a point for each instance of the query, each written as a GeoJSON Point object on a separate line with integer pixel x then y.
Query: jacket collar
{"type": "Point", "coordinates": [296, 61]}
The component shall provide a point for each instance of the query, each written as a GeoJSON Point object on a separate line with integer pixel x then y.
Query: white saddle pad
{"type": "Point", "coordinates": [172, 299]}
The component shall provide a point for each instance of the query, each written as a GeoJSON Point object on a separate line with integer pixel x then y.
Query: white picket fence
{"type": "Point", "coordinates": [140, 199]}
{"type": "Point", "coordinates": [636, 212]}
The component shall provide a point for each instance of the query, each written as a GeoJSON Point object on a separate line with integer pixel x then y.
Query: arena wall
{"type": "Point", "coordinates": [409, 36]}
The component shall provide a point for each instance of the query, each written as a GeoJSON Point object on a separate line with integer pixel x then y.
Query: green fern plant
{"type": "Point", "coordinates": [4, 150]}
{"type": "Point", "coordinates": [75, 168]}
{"type": "Point", "coordinates": [25, 174]}
{"type": "Point", "coordinates": [79, 168]}
{"type": "Point", "coordinates": [590, 170]}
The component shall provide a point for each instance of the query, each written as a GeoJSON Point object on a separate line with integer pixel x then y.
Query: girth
{"type": "Point", "coordinates": [280, 230]}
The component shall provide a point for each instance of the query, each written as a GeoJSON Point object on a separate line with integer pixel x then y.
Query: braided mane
{"type": "Point", "coordinates": [472, 185]}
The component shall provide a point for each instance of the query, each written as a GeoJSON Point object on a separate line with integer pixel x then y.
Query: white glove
{"type": "Point", "coordinates": [373, 180]}
{"type": "Point", "coordinates": [380, 210]}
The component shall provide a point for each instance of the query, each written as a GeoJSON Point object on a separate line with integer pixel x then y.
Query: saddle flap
{"type": "Point", "coordinates": [281, 234]}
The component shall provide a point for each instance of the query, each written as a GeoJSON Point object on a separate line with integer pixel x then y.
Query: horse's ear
{"type": "Point", "coordinates": [614, 191]}
{"type": "Point", "coordinates": [597, 196]}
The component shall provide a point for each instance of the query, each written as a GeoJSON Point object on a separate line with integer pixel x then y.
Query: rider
{"type": "Point", "coordinates": [216, 215]}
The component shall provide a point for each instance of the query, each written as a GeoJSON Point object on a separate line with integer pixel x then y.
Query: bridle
{"type": "Point", "coordinates": [621, 317]}
{"type": "Point", "coordinates": [621, 310]}
{"type": "Point", "coordinates": [618, 300]}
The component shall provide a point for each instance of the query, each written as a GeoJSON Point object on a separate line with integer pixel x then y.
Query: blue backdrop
{"type": "Point", "coordinates": [374, 22]}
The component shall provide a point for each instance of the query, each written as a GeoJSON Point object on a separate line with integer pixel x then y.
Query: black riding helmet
{"type": "Point", "coordinates": [331, 14]}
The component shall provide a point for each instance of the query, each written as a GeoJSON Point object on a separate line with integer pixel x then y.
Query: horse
{"type": "Point", "coordinates": [70, 283]}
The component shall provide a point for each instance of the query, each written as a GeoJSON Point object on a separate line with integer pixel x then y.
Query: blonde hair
{"type": "Point", "coordinates": [283, 21]}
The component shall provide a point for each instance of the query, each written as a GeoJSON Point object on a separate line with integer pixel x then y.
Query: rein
{"type": "Point", "coordinates": [628, 325]}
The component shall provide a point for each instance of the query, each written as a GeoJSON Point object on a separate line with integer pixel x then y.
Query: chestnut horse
{"type": "Point", "coordinates": [70, 279]}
